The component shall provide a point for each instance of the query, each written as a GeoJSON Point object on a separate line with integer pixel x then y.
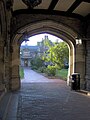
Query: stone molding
{"type": "Point", "coordinates": [22, 20]}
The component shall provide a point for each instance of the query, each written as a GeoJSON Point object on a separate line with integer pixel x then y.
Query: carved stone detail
{"type": "Point", "coordinates": [32, 3]}
{"type": "Point", "coordinates": [9, 4]}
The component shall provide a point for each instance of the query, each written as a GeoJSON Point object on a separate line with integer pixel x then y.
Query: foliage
{"type": "Point", "coordinates": [62, 73]}
{"type": "Point", "coordinates": [34, 67]}
{"type": "Point", "coordinates": [42, 69]}
{"type": "Point", "coordinates": [57, 54]}
{"type": "Point", "coordinates": [54, 58]}
{"type": "Point", "coordinates": [51, 70]}
{"type": "Point", "coordinates": [21, 73]}
{"type": "Point", "coordinates": [36, 63]}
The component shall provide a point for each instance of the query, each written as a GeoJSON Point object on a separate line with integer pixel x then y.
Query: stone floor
{"type": "Point", "coordinates": [47, 100]}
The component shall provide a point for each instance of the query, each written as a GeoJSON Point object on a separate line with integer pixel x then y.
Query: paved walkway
{"type": "Point", "coordinates": [47, 99]}
{"type": "Point", "coordinates": [31, 76]}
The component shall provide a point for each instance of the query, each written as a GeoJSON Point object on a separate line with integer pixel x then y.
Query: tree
{"type": "Point", "coordinates": [36, 62]}
{"type": "Point", "coordinates": [58, 54]}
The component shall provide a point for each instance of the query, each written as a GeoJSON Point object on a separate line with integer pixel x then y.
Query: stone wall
{"type": "Point", "coordinates": [88, 28]}
{"type": "Point", "coordinates": [25, 19]}
{"type": "Point", "coordinates": [87, 51]}
{"type": "Point", "coordinates": [2, 39]}
{"type": "Point", "coordinates": [5, 16]}
{"type": "Point", "coordinates": [88, 64]}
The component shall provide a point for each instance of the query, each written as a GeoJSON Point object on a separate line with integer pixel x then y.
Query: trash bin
{"type": "Point", "coordinates": [75, 83]}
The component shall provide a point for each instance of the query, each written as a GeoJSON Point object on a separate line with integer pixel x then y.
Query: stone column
{"type": "Point", "coordinates": [6, 74]}
{"type": "Point", "coordinates": [2, 82]}
{"type": "Point", "coordinates": [8, 49]}
{"type": "Point", "coordinates": [71, 64]}
{"type": "Point", "coordinates": [80, 63]}
{"type": "Point", "coordinates": [87, 77]}
{"type": "Point", "coordinates": [15, 77]}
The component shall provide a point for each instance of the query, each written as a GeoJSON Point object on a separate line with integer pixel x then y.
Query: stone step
{"type": "Point", "coordinates": [84, 92]}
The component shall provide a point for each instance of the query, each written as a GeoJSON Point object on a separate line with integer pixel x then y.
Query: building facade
{"type": "Point", "coordinates": [26, 54]}
{"type": "Point", "coordinates": [67, 20]}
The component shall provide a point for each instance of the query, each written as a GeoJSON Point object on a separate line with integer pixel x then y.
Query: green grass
{"type": "Point", "coordinates": [62, 73]}
{"type": "Point", "coordinates": [21, 73]}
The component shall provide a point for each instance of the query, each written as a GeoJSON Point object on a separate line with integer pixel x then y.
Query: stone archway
{"type": "Point", "coordinates": [54, 28]}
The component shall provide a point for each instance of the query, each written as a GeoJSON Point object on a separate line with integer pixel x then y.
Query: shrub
{"type": "Point", "coordinates": [51, 70]}
{"type": "Point", "coordinates": [36, 63]}
{"type": "Point", "coordinates": [62, 73]}
{"type": "Point", "coordinates": [42, 69]}
{"type": "Point", "coordinates": [34, 67]}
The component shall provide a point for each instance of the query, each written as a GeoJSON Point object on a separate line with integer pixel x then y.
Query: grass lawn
{"type": "Point", "coordinates": [62, 73]}
{"type": "Point", "coordinates": [21, 73]}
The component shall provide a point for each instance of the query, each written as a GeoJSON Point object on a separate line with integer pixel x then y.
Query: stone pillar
{"type": "Point", "coordinates": [7, 67]}
{"type": "Point", "coordinates": [80, 63]}
{"type": "Point", "coordinates": [71, 64]}
{"type": "Point", "coordinates": [6, 75]}
{"type": "Point", "coordinates": [8, 59]}
{"type": "Point", "coordinates": [87, 77]}
{"type": "Point", "coordinates": [15, 77]}
{"type": "Point", "coordinates": [2, 82]}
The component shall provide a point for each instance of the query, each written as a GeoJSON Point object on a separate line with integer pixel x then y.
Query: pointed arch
{"type": "Point", "coordinates": [46, 26]}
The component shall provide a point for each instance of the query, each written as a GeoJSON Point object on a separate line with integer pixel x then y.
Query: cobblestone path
{"type": "Point", "coordinates": [47, 100]}
{"type": "Point", "coordinates": [51, 101]}
{"type": "Point", "coordinates": [42, 101]}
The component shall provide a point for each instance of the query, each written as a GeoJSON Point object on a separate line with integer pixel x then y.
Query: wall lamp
{"type": "Point", "coordinates": [78, 41]}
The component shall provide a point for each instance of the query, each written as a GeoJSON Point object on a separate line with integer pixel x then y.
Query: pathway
{"type": "Point", "coordinates": [41, 98]}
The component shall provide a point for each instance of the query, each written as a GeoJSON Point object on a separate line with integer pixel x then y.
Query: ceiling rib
{"type": "Point", "coordinates": [74, 6]}
{"type": "Point", "coordinates": [86, 1]}
{"type": "Point", "coordinates": [43, 11]}
{"type": "Point", "coordinates": [53, 4]}
{"type": "Point", "coordinates": [71, 11]}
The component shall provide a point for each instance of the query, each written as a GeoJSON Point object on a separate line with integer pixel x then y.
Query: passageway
{"type": "Point", "coordinates": [47, 99]}
{"type": "Point", "coordinates": [50, 99]}
{"type": "Point", "coordinates": [31, 76]}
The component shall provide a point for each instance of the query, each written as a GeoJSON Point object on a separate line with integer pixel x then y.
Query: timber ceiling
{"type": "Point", "coordinates": [73, 8]}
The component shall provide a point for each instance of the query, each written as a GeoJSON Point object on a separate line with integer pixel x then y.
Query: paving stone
{"type": "Point", "coordinates": [49, 101]}
{"type": "Point", "coordinates": [52, 102]}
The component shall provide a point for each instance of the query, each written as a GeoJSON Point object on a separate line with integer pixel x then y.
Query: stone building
{"type": "Point", "coordinates": [42, 47]}
{"type": "Point", "coordinates": [66, 19]}
{"type": "Point", "coordinates": [29, 52]}
{"type": "Point", "coordinates": [26, 54]}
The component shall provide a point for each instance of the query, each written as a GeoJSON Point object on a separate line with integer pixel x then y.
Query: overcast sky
{"type": "Point", "coordinates": [37, 38]}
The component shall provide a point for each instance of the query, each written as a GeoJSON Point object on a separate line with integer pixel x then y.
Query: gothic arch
{"type": "Point", "coordinates": [48, 26]}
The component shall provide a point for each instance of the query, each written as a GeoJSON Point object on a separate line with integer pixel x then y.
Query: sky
{"type": "Point", "coordinates": [37, 38]}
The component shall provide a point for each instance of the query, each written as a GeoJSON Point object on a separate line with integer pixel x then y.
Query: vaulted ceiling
{"type": "Point", "coordinates": [73, 8]}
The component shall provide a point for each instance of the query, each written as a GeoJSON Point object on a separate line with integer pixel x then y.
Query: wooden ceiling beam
{"type": "Point", "coordinates": [46, 12]}
{"type": "Point", "coordinates": [53, 4]}
{"type": "Point", "coordinates": [74, 6]}
{"type": "Point", "coordinates": [88, 1]}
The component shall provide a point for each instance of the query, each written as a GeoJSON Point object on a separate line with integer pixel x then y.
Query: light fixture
{"type": "Point", "coordinates": [78, 41]}
{"type": "Point", "coordinates": [25, 36]}
{"type": "Point", "coordinates": [32, 3]}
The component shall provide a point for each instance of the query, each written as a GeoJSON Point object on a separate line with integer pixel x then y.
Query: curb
{"type": "Point", "coordinates": [84, 92]}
